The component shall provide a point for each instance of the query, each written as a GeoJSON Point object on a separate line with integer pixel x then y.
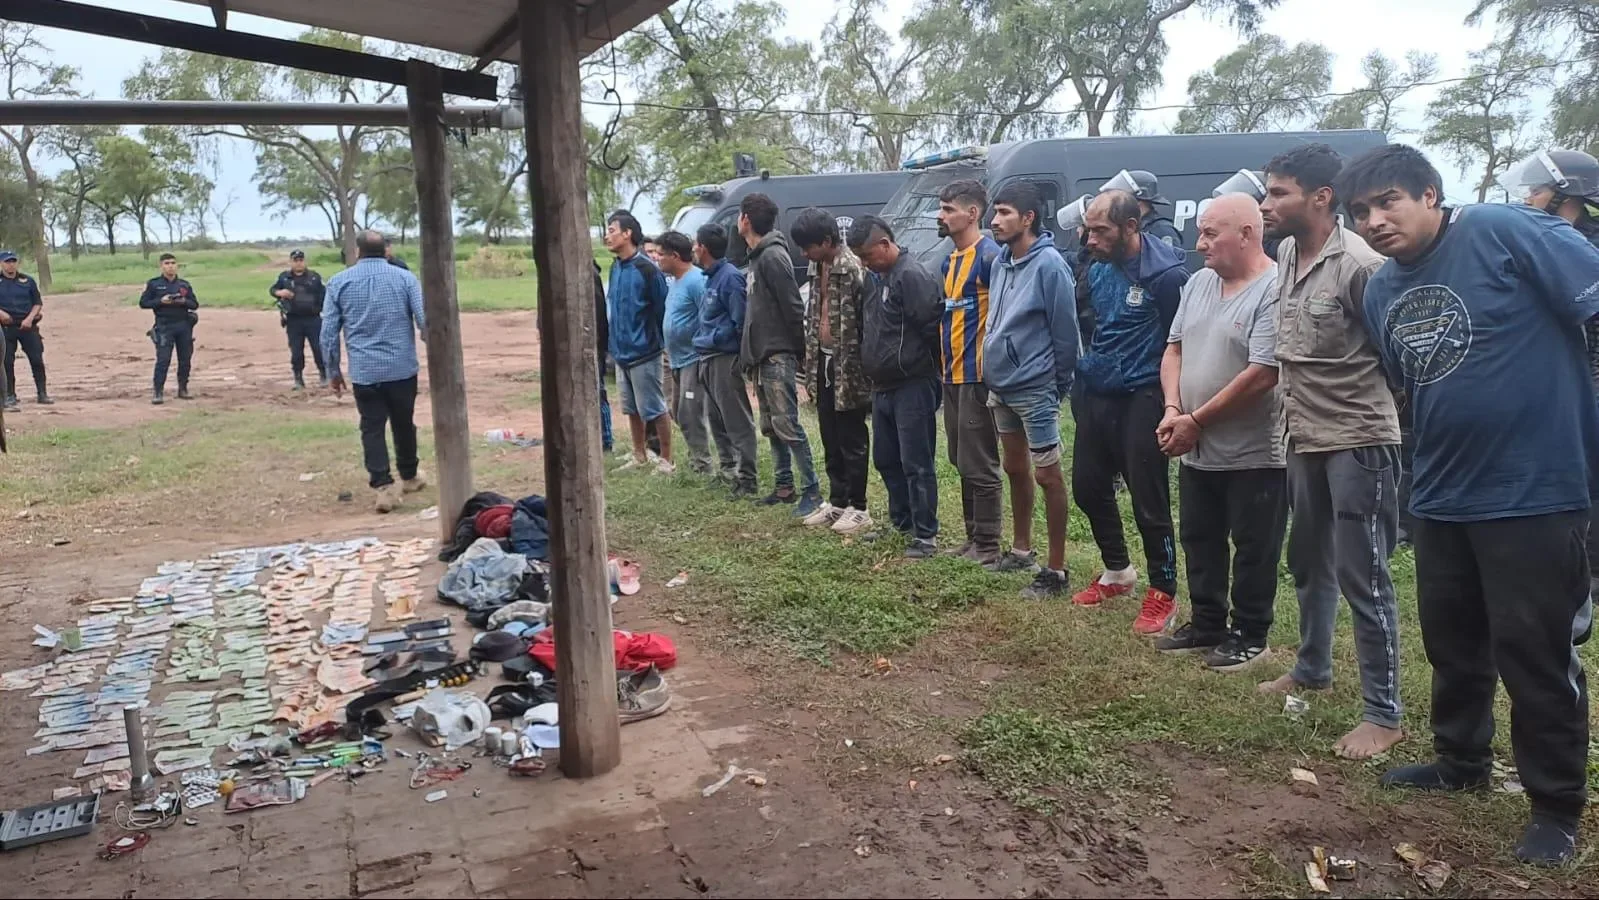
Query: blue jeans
{"type": "Point", "coordinates": [606, 437]}
{"type": "Point", "coordinates": [776, 390]}
{"type": "Point", "coordinates": [905, 426]}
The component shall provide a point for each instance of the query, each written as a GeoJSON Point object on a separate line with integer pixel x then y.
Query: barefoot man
{"type": "Point", "coordinates": [1343, 444]}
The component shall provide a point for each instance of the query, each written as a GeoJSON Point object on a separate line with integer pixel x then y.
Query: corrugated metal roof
{"type": "Point", "coordinates": [458, 26]}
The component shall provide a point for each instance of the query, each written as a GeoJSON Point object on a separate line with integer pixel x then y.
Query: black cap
{"type": "Point", "coordinates": [8, 255]}
{"type": "Point", "coordinates": [296, 254]}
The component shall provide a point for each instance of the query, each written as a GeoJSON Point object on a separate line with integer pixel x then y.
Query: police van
{"type": "Point", "coordinates": [1189, 166]}
{"type": "Point", "coordinates": [845, 195]}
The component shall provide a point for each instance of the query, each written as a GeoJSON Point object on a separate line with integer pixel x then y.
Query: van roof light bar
{"type": "Point", "coordinates": [947, 156]}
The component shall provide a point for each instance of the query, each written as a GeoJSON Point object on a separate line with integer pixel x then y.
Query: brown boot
{"type": "Point", "coordinates": [415, 483]}
{"type": "Point", "coordinates": [388, 498]}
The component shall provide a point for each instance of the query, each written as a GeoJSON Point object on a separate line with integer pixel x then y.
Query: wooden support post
{"type": "Point", "coordinates": [452, 442]}
{"type": "Point", "coordinates": [573, 468]}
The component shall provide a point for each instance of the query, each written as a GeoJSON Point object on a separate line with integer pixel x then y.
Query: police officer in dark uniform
{"type": "Point", "coordinates": [1145, 187]}
{"type": "Point", "coordinates": [300, 292]}
{"type": "Point", "coordinates": [173, 302]}
{"type": "Point", "coordinates": [20, 310]}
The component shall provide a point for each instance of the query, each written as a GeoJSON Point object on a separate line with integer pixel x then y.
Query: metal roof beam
{"type": "Point", "coordinates": [237, 45]}
{"type": "Point", "coordinates": [222, 112]}
{"type": "Point", "coordinates": [219, 12]}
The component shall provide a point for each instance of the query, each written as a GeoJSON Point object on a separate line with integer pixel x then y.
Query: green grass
{"type": "Point", "coordinates": [1078, 687]}
{"type": "Point", "coordinates": [239, 278]}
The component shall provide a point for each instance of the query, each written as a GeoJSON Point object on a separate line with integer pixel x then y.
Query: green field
{"type": "Point", "coordinates": [240, 276]}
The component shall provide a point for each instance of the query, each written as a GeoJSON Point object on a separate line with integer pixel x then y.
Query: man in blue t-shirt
{"type": "Point", "coordinates": [1478, 316]}
{"type": "Point", "coordinates": [683, 301]}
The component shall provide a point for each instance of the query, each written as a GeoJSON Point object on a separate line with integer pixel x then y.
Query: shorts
{"type": "Point", "coordinates": [642, 395]}
{"type": "Point", "coordinates": [1036, 412]}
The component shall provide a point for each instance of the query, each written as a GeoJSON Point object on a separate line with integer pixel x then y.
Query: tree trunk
{"type": "Point", "coordinates": [144, 235]}
{"type": "Point", "coordinates": [347, 226]}
{"type": "Point", "coordinates": [41, 249]}
{"type": "Point", "coordinates": [74, 244]}
{"type": "Point", "coordinates": [707, 97]}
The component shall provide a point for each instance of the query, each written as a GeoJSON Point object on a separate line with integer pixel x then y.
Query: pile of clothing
{"type": "Point", "coordinates": [520, 527]}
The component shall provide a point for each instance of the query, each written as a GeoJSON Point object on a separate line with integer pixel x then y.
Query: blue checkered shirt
{"type": "Point", "coordinates": [377, 306]}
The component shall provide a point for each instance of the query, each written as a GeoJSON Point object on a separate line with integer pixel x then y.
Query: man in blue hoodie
{"type": "Point", "coordinates": [1030, 353]}
{"type": "Point", "coordinates": [637, 304]}
{"type": "Point", "coordinates": [721, 331]}
{"type": "Point", "coordinates": [1135, 285]}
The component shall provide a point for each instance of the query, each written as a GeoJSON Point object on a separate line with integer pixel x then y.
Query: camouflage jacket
{"type": "Point", "coordinates": [848, 286]}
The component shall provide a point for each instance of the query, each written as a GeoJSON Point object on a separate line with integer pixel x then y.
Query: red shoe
{"type": "Point", "coordinates": [1160, 610]}
{"type": "Point", "coordinates": [1098, 592]}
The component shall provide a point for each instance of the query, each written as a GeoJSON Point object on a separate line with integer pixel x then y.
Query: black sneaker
{"type": "Point", "coordinates": [44, 400]}
{"type": "Point", "coordinates": [1188, 640]}
{"type": "Point", "coordinates": [1235, 654]}
{"type": "Point", "coordinates": [157, 398]}
{"type": "Point", "coordinates": [11, 402]}
{"type": "Point", "coordinates": [921, 549]}
{"type": "Point", "coordinates": [1435, 776]}
{"type": "Point", "coordinates": [776, 497]}
{"type": "Point", "coordinates": [183, 392]}
{"type": "Point", "coordinates": [299, 383]}
{"type": "Point", "coordinates": [1047, 585]}
{"type": "Point", "coordinates": [1547, 842]}
{"type": "Point", "coordinates": [742, 492]}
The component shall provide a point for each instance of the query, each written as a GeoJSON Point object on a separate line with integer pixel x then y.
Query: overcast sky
{"type": "Point", "coordinates": [1195, 43]}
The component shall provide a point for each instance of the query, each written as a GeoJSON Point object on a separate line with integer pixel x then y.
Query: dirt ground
{"type": "Point", "coordinates": [833, 819]}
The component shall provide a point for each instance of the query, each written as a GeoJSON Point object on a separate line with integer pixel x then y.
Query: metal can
{"type": "Point", "coordinates": [509, 745]}
{"type": "Point", "coordinates": [491, 738]}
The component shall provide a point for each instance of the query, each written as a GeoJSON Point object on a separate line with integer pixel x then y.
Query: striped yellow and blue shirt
{"type": "Point", "coordinates": [967, 274]}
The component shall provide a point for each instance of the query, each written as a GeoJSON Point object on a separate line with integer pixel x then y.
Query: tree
{"type": "Point", "coordinates": [288, 185]}
{"type": "Point", "coordinates": [134, 179]}
{"type": "Point", "coordinates": [336, 166]}
{"type": "Point", "coordinates": [220, 211]}
{"type": "Point", "coordinates": [863, 70]}
{"type": "Point", "coordinates": [17, 229]}
{"type": "Point", "coordinates": [713, 73]}
{"type": "Point", "coordinates": [1487, 118]}
{"type": "Point", "coordinates": [391, 190]}
{"type": "Point", "coordinates": [487, 175]}
{"type": "Point", "coordinates": [1569, 28]}
{"type": "Point", "coordinates": [1263, 85]}
{"type": "Point", "coordinates": [29, 75]}
{"type": "Point", "coordinates": [1376, 104]}
{"type": "Point", "coordinates": [1004, 62]}
{"type": "Point", "coordinates": [79, 146]}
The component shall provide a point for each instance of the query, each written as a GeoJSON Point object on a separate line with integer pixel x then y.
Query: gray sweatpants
{"type": "Point", "coordinates": [727, 405]}
{"type": "Point", "coordinates": [686, 401]}
{"type": "Point", "coordinates": [1345, 514]}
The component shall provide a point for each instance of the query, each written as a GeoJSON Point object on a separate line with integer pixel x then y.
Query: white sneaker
{"type": "Point", "coordinates": [852, 521]}
{"type": "Point", "coordinates": [652, 456]}
{"type": "Point", "coordinates": [826, 514]}
{"type": "Point", "coordinates": [664, 467]}
{"type": "Point", "coordinates": [633, 462]}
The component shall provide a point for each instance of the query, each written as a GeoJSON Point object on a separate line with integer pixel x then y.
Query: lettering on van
{"type": "Point", "coordinates": [1185, 211]}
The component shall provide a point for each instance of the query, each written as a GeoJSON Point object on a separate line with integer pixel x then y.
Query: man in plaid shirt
{"type": "Point", "coordinates": [378, 307]}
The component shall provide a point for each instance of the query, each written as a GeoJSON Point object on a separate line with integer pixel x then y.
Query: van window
{"type": "Point", "coordinates": [690, 218]}
{"type": "Point", "coordinates": [913, 211]}
{"type": "Point", "coordinates": [738, 253]}
{"type": "Point", "coordinates": [1048, 187]}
